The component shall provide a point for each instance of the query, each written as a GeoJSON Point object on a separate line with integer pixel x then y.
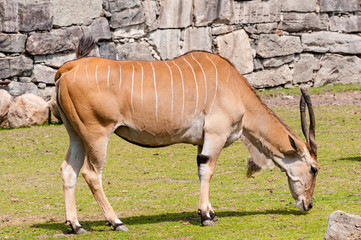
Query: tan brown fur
{"type": "Point", "coordinates": [198, 98]}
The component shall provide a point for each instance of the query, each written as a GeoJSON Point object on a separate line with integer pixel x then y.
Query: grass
{"type": "Point", "coordinates": [155, 191]}
{"type": "Point", "coordinates": [272, 92]}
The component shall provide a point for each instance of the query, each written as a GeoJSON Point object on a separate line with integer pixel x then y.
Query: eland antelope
{"type": "Point", "coordinates": [198, 98]}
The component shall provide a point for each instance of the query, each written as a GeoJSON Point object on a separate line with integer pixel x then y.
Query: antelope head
{"type": "Point", "coordinates": [302, 166]}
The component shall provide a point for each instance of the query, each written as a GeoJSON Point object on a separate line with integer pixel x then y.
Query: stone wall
{"type": "Point", "coordinates": [272, 42]}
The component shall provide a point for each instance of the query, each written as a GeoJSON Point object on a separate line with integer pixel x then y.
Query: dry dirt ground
{"type": "Point", "coordinates": [325, 99]}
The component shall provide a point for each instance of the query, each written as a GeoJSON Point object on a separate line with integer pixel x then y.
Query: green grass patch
{"type": "Point", "coordinates": [336, 88]}
{"type": "Point", "coordinates": [155, 191]}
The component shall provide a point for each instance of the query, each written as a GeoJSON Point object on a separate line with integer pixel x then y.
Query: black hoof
{"type": "Point", "coordinates": [121, 228]}
{"type": "Point", "coordinates": [77, 229]}
{"type": "Point", "coordinates": [214, 218]}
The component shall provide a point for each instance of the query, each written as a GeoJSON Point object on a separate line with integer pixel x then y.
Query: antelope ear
{"type": "Point", "coordinates": [293, 144]}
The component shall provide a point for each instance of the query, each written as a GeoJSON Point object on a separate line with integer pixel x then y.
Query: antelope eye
{"type": "Point", "coordinates": [314, 170]}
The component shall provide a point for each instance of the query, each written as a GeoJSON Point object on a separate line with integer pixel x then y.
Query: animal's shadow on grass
{"type": "Point", "coordinates": [351, 159]}
{"type": "Point", "coordinates": [183, 218]}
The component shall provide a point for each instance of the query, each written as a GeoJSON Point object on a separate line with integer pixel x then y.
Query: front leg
{"type": "Point", "coordinates": [206, 164]}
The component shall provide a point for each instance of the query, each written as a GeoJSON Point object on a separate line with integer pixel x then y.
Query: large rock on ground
{"type": "Point", "coordinates": [343, 226]}
{"type": "Point", "coordinates": [236, 48]}
{"type": "Point", "coordinates": [27, 110]}
{"type": "Point", "coordinates": [5, 102]}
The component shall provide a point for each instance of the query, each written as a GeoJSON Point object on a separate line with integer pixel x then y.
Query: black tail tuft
{"type": "Point", "coordinates": [85, 46]}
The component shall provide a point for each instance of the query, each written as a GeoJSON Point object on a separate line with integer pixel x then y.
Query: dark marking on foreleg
{"type": "Point", "coordinates": [202, 159]}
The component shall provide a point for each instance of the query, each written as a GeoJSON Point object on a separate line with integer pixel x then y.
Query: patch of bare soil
{"type": "Point", "coordinates": [326, 99]}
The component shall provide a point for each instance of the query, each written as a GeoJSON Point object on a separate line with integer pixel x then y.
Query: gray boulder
{"type": "Point", "coordinates": [5, 102]}
{"type": "Point", "coordinates": [27, 110]}
{"type": "Point", "coordinates": [343, 226]}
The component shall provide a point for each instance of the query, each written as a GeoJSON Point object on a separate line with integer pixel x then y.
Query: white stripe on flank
{"type": "Point", "coordinates": [76, 69]}
{"type": "Point", "coordinates": [205, 79]}
{"type": "Point", "coordinates": [215, 91]}
{"type": "Point", "coordinates": [87, 75]}
{"type": "Point", "coordinates": [141, 84]}
{"type": "Point", "coordinates": [156, 94]}
{"type": "Point", "coordinates": [108, 77]}
{"type": "Point", "coordinates": [120, 76]}
{"type": "Point", "coordinates": [182, 85]}
{"type": "Point", "coordinates": [131, 93]}
{"type": "Point", "coordinates": [171, 84]}
{"type": "Point", "coordinates": [96, 77]}
{"type": "Point", "coordinates": [195, 80]}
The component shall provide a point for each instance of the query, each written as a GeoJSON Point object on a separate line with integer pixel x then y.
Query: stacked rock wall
{"type": "Point", "coordinates": [272, 42]}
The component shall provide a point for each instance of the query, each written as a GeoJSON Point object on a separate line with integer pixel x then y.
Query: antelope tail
{"type": "Point", "coordinates": [85, 46]}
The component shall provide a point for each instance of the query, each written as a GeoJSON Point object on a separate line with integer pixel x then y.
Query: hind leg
{"type": "Point", "coordinates": [70, 169]}
{"type": "Point", "coordinates": [92, 171]}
